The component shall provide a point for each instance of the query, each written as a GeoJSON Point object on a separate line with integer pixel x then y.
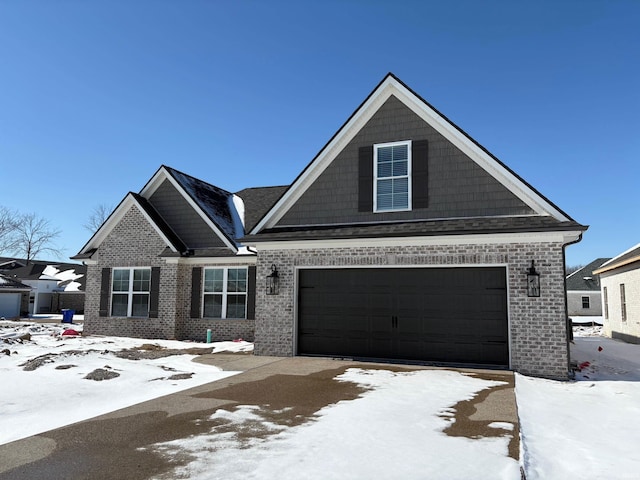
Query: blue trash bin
{"type": "Point", "coordinates": [67, 315]}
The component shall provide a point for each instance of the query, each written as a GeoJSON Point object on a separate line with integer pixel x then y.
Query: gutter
{"type": "Point", "coordinates": [569, 328]}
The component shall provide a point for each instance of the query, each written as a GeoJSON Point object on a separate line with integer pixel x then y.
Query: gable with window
{"type": "Point", "coordinates": [393, 176]}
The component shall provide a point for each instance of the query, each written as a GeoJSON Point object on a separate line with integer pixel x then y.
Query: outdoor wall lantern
{"type": "Point", "coordinates": [273, 281]}
{"type": "Point", "coordinates": [533, 281]}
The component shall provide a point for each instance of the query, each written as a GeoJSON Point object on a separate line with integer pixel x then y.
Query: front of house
{"type": "Point", "coordinates": [403, 239]}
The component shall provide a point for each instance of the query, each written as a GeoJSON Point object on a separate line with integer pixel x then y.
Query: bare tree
{"type": "Point", "coordinates": [98, 215]}
{"type": "Point", "coordinates": [573, 268]}
{"type": "Point", "coordinates": [8, 223]}
{"type": "Point", "coordinates": [35, 235]}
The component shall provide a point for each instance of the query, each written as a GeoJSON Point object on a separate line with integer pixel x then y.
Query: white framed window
{"type": "Point", "coordinates": [606, 302]}
{"type": "Point", "coordinates": [623, 303]}
{"type": "Point", "coordinates": [225, 293]}
{"type": "Point", "coordinates": [130, 291]}
{"type": "Point", "coordinates": [392, 176]}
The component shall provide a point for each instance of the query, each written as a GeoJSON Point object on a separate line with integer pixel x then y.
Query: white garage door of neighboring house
{"type": "Point", "coordinates": [9, 305]}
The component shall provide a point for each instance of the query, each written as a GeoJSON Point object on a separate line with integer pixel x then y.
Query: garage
{"type": "Point", "coordinates": [440, 315]}
{"type": "Point", "coordinates": [9, 304]}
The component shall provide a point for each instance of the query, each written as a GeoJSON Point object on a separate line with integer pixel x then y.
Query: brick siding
{"type": "Point", "coordinates": [134, 243]}
{"type": "Point", "coordinates": [538, 336]}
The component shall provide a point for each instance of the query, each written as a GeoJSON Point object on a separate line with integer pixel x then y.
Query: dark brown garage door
{"type": "Point", "coordinates": [441, 315]}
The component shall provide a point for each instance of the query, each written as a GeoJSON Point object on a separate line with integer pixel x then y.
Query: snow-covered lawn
{"type": "Point", "coordinates": [43, 384]}
{"type": "Point", "coordinates": [588, 428]}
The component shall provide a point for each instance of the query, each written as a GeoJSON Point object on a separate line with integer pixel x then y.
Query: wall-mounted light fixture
{"type": "Point", "coordinates": [533, 281]}
{"type": "Point", "coordinates": [273, 282]}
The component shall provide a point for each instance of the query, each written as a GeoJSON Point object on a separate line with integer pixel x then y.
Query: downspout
{"type": "Point", "coordinates": [568, 326]}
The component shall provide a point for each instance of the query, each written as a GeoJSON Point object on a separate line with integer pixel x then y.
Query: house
{"type": "Point", "coordinates": [620, 283]}
{"type": "Point", "coordinates": [403, 239]}
{"type": "Point", "coordinates": [14, 296]}
{"type": "Point", "coordinates": [167, 262]}
{"type": "Point", "coordinates": [583, 291]}
{"type": "Point", "coordinates": [54, 285]}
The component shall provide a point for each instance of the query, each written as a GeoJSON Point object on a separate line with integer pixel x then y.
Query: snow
{"type": "Point", "coordinates": [586, 428]}
{"type": "Point", "coordinates": [394, 430]}
{"type": "Point", "coordinates": [586, 319]}
{"type": "Point", "coordinates": [56, 394]}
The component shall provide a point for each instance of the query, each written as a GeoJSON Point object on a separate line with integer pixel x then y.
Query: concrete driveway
{"type": "Point", "coordinates": [112, 446]}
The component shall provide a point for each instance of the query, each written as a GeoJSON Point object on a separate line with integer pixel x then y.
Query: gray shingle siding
{"type": "Point", "coordinates": [458, 187]}
{"type": "Point", "coordinates": [185, 221]}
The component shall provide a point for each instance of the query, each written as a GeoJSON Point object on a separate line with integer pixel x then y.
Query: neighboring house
{"type": "Point", "coordinates": [583, 290]}
{"type": "Point", "coordinates": [620, 281]}
{"type": "Point", "coordinates": [13, 295]}
{"type": "Point", "coordinates": [54, 285]}
{"type": "Point", "coordinates": [403, 239]}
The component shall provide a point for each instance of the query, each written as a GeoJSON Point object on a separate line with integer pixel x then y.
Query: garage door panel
{"type": "Point", "coordinates": [454, 315]}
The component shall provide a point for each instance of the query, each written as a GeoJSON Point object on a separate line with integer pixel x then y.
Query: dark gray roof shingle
{"type": "Point", "coordinates": [257, 202]}
{"type": "Point", "coordinates": [462, 226]}
{"type": "Point", "coordinates": [584, 279]}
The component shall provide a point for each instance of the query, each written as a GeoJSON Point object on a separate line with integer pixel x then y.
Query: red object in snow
{"type": "Point", "coordinates": [599, 349]}
{"type": "Point", "coordinates": [583, 365]}
{"type": "Point", "coordinates": [70, 332]}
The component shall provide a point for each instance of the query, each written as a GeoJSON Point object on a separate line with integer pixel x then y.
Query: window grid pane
{"type": "Point", "coordinates": [130, 289]}
{"type": "Point", "coordinates": [392, 177]}
{"type": "Point", "coordinates": [212, 306]}
{"type": "Point", "coordinates": [224, 292]}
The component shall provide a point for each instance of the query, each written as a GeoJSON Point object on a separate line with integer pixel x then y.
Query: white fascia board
{"type": "Point", "coordinates": [392, 87]}
{"type": "Point", "coordinates": [237, 260]}
{"type": "Point", "coordinates": [106, 228]}
{"type": "Point", "coordinates": [155, 183]}
{"type": "Point", "coordinates": [584, 292]}
{"type": "Point", "coordinates": [480, 239]}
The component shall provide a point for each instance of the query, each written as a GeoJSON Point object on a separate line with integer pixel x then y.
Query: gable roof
{"type": "Point", "coordinates": [155, 220]}
{"type": "Point", "coordinates": [7, 283]}
{"type": "Point", "coordinates": [584, 279]}
{"type": "Point", "coordinates": [392, 86]}
{"type": "Point", "coordinates": [217, 207]}
{"type": "Point", "coordinates": [625, 258]}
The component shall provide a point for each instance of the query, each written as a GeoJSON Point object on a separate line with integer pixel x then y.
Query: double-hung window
{"type": "Point", "coordinates": [586, 303]}
{"type": "Point", "coordinates": [225, 293]}
{"type": "Point", "coordinates": [392, 176]}
{"type": "Point", "coordinates": [130, 290]}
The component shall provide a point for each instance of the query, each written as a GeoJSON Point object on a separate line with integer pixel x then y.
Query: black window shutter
{"type": "Point", "coordinates": [419, 174]}
{"type": "Point", "coordinates": [251, 293]}
{"type": "Point", "coordinates": [196, 290]}
{"type": "Point", "coordinates": [105, 290]}
{"type": "Point", "coordinates": [365, 179]}
{"type": "Point", "coordinates": [154, 296]}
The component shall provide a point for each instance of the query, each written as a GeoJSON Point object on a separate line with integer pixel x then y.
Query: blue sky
{"type": "Point", "coordinates": [96, 95]}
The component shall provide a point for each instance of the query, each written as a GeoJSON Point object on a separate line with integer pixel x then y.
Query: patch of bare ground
{"type": "Point", "coordinates": [468, 423]}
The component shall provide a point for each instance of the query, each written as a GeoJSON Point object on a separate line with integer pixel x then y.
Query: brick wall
{"type": "Point", "coordinates": [537, 325]}
{"type": "Point", "coordinates": [134, 243]}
